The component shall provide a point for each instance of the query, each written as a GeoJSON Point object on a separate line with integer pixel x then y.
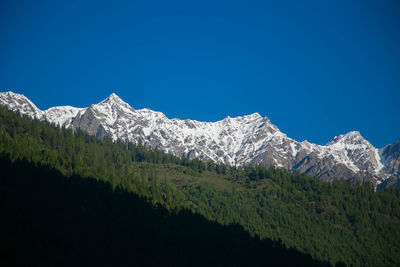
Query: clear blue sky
{"type": "Point", "coordinates": [315, 68]}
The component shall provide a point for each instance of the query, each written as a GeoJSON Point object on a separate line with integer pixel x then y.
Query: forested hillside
{"type": "Point", "coordinates": [51, 220]}
{"type": "Point", "coordinates": [337, 222]}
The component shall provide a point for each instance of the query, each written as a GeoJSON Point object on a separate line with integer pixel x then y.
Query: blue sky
{"type": "Point", "coordinates": [315, 68]}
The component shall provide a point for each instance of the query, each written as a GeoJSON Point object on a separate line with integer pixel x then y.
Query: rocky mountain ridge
{"type": "Point", "coordinates": [250, 139]}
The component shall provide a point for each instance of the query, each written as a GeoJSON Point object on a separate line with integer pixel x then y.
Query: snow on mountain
{"type": "Point", "coordinates": [250, 139]}
{"type": "Point", "coordinates": [62, 115]}
{"type": "Point", "coordinates": [18, 102]}
{"type": "Point", "coordinates": [390, 156]}
{"type": "Point", "coordinates": [357, 151]}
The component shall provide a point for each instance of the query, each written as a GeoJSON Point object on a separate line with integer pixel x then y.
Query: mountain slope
{"type": "Point", "coordinates": [77, 222]}
{"type": "Point", "coordinates": [249, 139]}
{"type": "Point", "coordinates": [334, 222]}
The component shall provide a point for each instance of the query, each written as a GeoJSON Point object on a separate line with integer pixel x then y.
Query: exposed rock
{"type": "Point", "coordinates": [249, 139]}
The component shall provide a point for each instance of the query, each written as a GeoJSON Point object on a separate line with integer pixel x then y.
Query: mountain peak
{"type": "Point", "coordinates": [252, 116]}
{"type": "Point", "coordinates": [113, 98]}
{"type": "Point", "coordinates": [255, 115]}
{"type": "Point", "coordinates": [19, 102]}
{"type": "Point", "coordinates": [353, 134]}
{"type": "Point", "coordinates": [352, 138]}
{"type": "Point", "coordinates": [12, 95]}
{"type": "Point", "coordinates": [248, 139]}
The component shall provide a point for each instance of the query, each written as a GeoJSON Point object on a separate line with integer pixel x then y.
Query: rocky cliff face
{"type": "Point", "coordinates": [390, 155]}
{"type": "Point", "coordinates": [250, 139]}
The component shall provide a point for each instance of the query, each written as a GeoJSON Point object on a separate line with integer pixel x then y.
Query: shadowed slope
{"type": "Point", "coordinates": [50, 220]}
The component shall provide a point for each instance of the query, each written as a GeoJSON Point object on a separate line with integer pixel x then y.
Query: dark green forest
{"type": "Point", "coordinates": [51, 220]}
{"type": "Point", "coordinates": [291, 212]}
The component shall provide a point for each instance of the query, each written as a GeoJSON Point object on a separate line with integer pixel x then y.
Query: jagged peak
{"type": "Point", "coordinates": [254, 115]}
{"type": "Point", "coordinates": [352, 137]}
{"type": "Point", "coordinates": [11, 93]}
{"type": "Point", "coordinates": [238, 137]}
{"type": "Point", "coordinates": [353, 133]}
{"type": "Point", "coordinates": [15, 95]}
{"type": "Point", "coordinates": [19, 102]}
{"type": "Point", "coordinates": [113, 97]}
{"type": "Point", "coordinates": [250, 116]}
{"type": "Point", "coordinates": [113, 100]}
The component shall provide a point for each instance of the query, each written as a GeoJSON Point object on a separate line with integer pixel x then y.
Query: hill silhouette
{"type": "Point", "coordinates": [51, 220]}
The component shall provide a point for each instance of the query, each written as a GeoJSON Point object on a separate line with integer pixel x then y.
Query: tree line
{"type": "Point", "coordinates": [333, 222]}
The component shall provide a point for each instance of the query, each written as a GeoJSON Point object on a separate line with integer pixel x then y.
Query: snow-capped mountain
{"type": "Point", "coordinates": [250, 139]}
{"type": "Point", "coordinates": [19, 103]}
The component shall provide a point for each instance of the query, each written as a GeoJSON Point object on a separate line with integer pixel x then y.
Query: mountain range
{"type": "Point", "coordinates": [250, 139]}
